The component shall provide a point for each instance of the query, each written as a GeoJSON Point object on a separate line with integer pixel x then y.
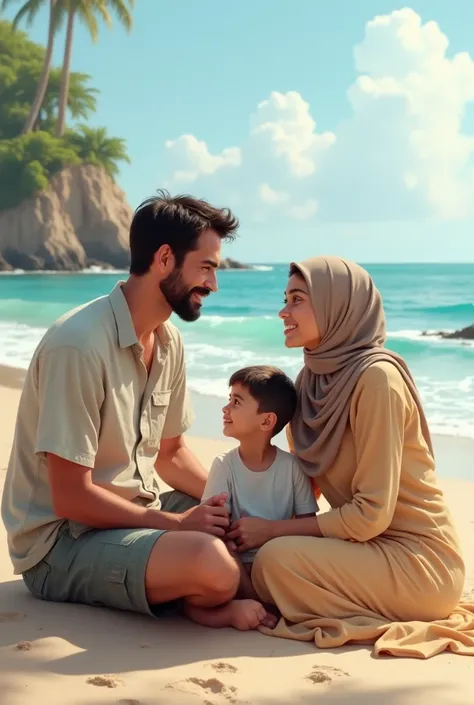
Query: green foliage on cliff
{"type": "Point", "coordinates": [27, 162]}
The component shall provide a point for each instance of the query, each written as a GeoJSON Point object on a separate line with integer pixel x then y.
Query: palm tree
{"type": "Point", "coordinates": [29, 10]}
{"type": "Point", "coordinates": [82, 100]}
{"type": "Point", "coordinates": [93, 146]}
{"type": "Point", "coordinates": [87, 11]}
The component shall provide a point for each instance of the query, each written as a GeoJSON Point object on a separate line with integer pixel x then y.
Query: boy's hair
{"type": "Point", "coordinates": [274, 391]}
{"type": "Point", "coordinates": [177, 221]}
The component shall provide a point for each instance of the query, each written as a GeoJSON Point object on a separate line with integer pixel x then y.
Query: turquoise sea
{"type": "Point", "coordinates": [240, 326]}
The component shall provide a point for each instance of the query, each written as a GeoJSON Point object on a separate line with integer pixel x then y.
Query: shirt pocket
{"type": "Point", "coordinates": [160, 402]}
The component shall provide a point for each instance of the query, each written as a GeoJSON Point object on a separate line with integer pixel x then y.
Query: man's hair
{"type": "Point", "coordinates": [274, 391]}
{"type": "Point", "coordinates": [177, 221]}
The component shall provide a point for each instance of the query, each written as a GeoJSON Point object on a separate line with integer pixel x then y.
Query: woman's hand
{"type": "Point", "coordinates": [250, 532]}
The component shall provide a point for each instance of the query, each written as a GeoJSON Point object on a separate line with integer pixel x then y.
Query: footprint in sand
{"type": "Point", "coordinates": [205, 686]}
{"type": "Point", "coordinates": [24, 646]}
{"type": "Point", "coordinates": [325, 674]}
{"type": "Point", "coordinates": [222, 667]}
{"type": "Point", "coordinates": [11, 616]}
{"type": "Point", "coordinates": [106, 681]}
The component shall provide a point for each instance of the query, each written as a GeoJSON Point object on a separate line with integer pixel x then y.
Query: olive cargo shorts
{"type": "Point", "coordinates": [103, 568]}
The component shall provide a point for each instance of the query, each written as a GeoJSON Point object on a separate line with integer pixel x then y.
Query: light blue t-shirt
{"type": "Point", "coordinates": [281, 492]}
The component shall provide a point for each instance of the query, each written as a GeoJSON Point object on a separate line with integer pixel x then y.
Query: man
{"type": "Point", "coordinates": [102, 414]}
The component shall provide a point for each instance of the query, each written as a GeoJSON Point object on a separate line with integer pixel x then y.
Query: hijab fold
{"type": "Point", "coordinates": [350, 317]}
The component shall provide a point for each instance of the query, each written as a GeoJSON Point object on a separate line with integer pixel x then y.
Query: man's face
{"type": "Point", "coordinates": [187, 285]}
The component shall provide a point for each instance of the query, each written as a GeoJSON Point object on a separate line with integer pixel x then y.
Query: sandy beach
{"type": "Point", "coordinates": [87, 656]}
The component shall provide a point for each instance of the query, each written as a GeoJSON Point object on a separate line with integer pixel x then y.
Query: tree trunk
{"type": "Point", "coordinates": [66, 71]}
{"type": "Point", "coordinates": [44, 78]}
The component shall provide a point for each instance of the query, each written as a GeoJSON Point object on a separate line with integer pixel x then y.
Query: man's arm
{"type": "Point", "coordinates": [77, 498]}
{"type": "Point", "coordinates": [177, 465]}
{"type": "Point", "coordinates": [70, 395]}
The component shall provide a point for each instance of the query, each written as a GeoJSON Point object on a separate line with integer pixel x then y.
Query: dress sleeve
{"type": "Point", "coordinates": [378, 422]}
{"type": "Point", "coordinates": [304, 499]}
{"type": "Point", "coordinates": [291, 448]}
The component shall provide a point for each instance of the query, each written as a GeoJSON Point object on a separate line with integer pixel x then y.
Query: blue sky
{"type": "Point", "coordinates": [385, 173]}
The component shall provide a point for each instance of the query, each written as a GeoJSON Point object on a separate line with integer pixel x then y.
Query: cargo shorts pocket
{"type": "Point", "coordinates": [35, 579]}
{"type": "Point", "coordinates": [113, 591]}
{"type": "Point", "coordinates": [113, 581]}
{"type": "Point", "coordinates": [159, 406]}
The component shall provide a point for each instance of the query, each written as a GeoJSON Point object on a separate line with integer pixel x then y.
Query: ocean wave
{"type": "Point", "coordinates": [214, 320]}
{"type": "Point", "coordinates": [428, 337]}
{"type": "Point", "coordinates": [18, 343]}
{"type": "Point", "coordinates": [96, 269]}
{"type": "Point", "coordinates": [466, 307]}
{"type": "Point", "coordinates": [217, 345]}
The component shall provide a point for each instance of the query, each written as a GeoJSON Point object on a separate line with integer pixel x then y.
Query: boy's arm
{"type": "Point", "coordinates": [218, 481]}
{"type": "Point", "coordinates": [305, 504]}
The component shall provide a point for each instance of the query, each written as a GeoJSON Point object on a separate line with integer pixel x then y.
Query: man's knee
{"type": "Point", "coordinates": [215, 568]}
{"type": "Point", "coordinates": [192, 560]}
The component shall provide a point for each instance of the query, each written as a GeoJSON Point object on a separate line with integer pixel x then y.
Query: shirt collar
{"type": "Point", "coordinates": [123, 320]}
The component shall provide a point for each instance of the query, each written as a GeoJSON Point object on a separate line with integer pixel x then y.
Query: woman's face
{"type": "Point", "coordinates": [301, 328]}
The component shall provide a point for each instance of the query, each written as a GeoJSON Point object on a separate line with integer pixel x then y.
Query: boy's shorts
{"type": "Point", "coordinates": [103, 568]}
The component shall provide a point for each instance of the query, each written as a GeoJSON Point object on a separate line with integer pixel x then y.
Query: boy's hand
{"type": "Point", "coordinates": [250, 532]}
{"type": "Point", "coordinates": [211, 517]}
{"type": "Point", "coordinates": [231, 545]}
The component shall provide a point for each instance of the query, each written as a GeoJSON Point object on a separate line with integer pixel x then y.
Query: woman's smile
{"type": "Point", "coordinates": [289, 328]}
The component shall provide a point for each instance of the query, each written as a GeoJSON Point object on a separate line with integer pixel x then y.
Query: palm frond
{"type": "Point", "coordinates": [28, 11]}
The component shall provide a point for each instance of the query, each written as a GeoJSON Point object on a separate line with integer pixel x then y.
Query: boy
{"type": "Point", "coordinates": [259, 479]}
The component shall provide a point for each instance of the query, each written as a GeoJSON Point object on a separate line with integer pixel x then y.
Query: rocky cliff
{"type": "Point", "coordinates": [82, 218]}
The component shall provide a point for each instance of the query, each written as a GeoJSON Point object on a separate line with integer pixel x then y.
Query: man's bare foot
{"type": "Point", "coordinates": [243, 615]}
{"type": "Point", "coordinates": [250, 614]}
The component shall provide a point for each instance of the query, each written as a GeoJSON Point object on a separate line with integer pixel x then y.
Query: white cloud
{"type": "Point", "coordinates": [196, 160]}
{"type": "Point", "coordinates": [402, 153]}
{"type": "Point", "coordinates": [283, 126]}
{"type": "Point", "coordinates": [269, 195]}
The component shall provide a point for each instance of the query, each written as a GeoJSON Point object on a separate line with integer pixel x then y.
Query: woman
{"type": "Point", "coordinates": [383, 565]}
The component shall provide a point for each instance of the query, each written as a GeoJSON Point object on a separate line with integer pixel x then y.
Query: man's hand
{"type": "Point", "coordinates": [211, 517]}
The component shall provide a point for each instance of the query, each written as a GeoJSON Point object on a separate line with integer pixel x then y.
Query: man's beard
{"type": "Point", "coordinates": [179, 296]}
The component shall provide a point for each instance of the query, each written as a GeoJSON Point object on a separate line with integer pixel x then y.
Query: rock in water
{"type": "Point", "coordinates": [82, 215]}
{"type": "Point", "coordinates": [229, 263]}
{"type": "Point", "coordinates": [461, 334]}
{"type": "Point", "coordinates": [4, 266]}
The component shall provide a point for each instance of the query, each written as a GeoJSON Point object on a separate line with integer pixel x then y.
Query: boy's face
{"type": "Point", "coordinates": [241, 415]}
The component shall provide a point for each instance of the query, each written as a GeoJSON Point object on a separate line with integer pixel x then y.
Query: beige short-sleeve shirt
{"type": "Point", "coordinates": [88, 398]}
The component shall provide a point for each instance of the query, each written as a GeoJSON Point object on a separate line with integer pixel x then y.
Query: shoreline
{"type": "Point", "coordinates": [13, 377]}
{"type": "Point", "coordinates": [453, 454]}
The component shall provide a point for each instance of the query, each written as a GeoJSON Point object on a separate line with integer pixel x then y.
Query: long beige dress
{"type": "Point", "coordinates": [389, 569]}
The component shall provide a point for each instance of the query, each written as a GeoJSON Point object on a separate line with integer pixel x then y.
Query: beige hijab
{"type": "Point", "coordinates": [351, 320]}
